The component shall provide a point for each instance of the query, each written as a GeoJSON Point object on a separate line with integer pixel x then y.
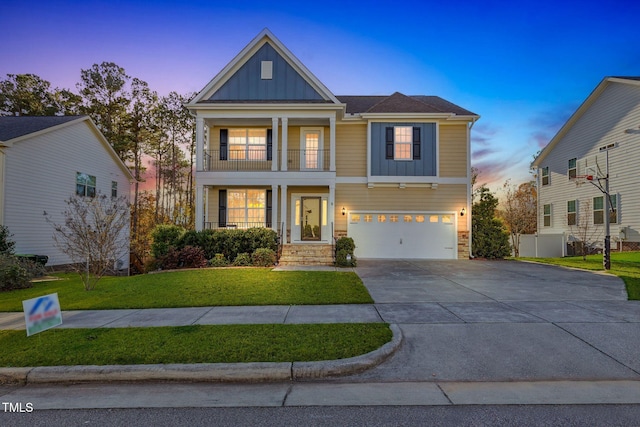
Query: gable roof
{"type": "Point", "coordinates": [265, 37]}
{"type": "Point", "coordinates": [15, 126]}
{"type": "Point", "coordinates": [20, 128]}
{"type": "Point", "coordinates": [580, 112]}
{"type": "Point", "coordinates": [400, 103]}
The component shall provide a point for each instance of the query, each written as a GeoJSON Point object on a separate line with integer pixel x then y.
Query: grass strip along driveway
{"type": "Point", "coordinates": [196, 343]}
{"type": "Point", "coordinates": [200, 288]}
{"type": "Point", "coordinates": [625, 265]}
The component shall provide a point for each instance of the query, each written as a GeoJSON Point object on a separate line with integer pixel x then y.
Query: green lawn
{"type": "Point", "coordinates": [191, 344]}
{"type": "Point", "coordinates": [625, 265]}
{"type": "Point", "coordinates": [197, 288]}
{"type": "Point", "coordinates": [198, 343]}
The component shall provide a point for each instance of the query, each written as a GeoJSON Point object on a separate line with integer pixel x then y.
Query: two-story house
{"type": "Point", "coordinates": [276, 148]}
{"type": "Point", "coordinates": [43, 162]}
{"type": "Point", "coordinates": [602, 138]}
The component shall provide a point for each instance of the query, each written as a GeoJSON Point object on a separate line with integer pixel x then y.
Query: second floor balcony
{"type": "Point", "coordinates": [261, 159]}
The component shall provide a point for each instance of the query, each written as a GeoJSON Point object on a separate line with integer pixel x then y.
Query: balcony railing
{"type": "Point", "coordinates": [256, 160]}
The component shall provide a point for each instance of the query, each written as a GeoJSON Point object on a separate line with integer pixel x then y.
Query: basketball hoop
{"type": "Point", "coordinates": [581, 179]}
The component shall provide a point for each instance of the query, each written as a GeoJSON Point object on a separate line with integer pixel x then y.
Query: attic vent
{"type": "Point", "coordinates": [266, 70]}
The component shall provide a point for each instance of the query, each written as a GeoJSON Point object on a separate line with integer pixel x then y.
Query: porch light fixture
{"type": "Point", "coordinates": [344, 212]}
{"type": "Point", "coordinates": [463, 211]}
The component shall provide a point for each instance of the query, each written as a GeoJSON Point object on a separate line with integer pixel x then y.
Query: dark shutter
{"type": "Point", "coordinates": [224, 142]}
{"type": "Point", "coordinates": [389, 143]}
{"type": "Point", "coordinates": [222, 208]}
{"type": "Point", "coordinates": [416, 143]}
{"type": "Point", "coordinates": [269, 208]}
{"type": "Point", "coordinates": [269, 144]}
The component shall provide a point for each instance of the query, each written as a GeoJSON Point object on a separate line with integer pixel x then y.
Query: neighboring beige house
{"type": "Point", "coordinates": [608, 121]}
{"type": "Point", "coordinates": [275, 148]}
{"type": "Point", "coordinates": [44, 161]}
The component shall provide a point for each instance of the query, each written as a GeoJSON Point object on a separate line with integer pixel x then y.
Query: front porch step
{"type": "Point", "coordinates": [306, 254]}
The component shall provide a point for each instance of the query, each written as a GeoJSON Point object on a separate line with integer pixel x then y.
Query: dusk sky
{"type": "Point", "coordinates": [524, 67]}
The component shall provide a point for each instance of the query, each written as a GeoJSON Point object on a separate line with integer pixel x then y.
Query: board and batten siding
{"type": "Point", "coordinates": [41, 174]}
{"type": "Point", "coordinates": [351, 150]}
{"type": "Point", "coordinates": [453, 151]}
{"type": "Point", "coordinates": [357, 197]}
{"type": "Point", "coordinates": [604, 122]}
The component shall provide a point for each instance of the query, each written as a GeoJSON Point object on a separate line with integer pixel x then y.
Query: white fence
{"type": "Point", "coordinates": [543, 245]}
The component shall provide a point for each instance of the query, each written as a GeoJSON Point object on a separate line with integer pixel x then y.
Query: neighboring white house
{"type": "Point", "coordinates": [43, 162]}
{"type": "Point", "coordinates": [276, 148]}
{"type": "Point", "coordinates": [607, 122]}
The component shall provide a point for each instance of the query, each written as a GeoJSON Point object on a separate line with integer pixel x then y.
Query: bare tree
{"type": "Point", "coordinates": [583, 228]}
{"type": "Point", "coordinates": [519, 211]}
{"type": "Point", "coordinates": [94, 235]}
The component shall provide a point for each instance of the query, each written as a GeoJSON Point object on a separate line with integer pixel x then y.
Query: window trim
{"type": "Point", "coordinates": [86, 187]}
{"type": "Point", "coordinates": [574, 212]}
{"type": "Point", "coordinates": [248, 155]}
{"type": "Point", "coordinates": [544, 175]}
{"type": "Point", "coordinates": [246, 207]}
{"type": "Point", "coordinates": [546, 215]}
{"type": "Point", "coordinates": [572, 171]}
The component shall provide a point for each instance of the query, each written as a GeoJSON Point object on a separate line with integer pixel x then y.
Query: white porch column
{"type": "Point", "coordinates": [199, 219]}
{"type": "Point", "coordinates": [283, 211]}
{"type": "Point", "coordinates": [274, 145]}
{"type": "Point", "coordinates": [332, 208]}
{"type": "Point", "coordinates": [200, 155]}
{"type": "Point", "coordinates": [285, 141]}
{"type": "Point", "coordinates": [274, 208]}
{"type": "Point", "coordinates": [332, 144]}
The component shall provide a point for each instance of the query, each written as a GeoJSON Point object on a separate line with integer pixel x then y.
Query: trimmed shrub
{"type": "Point", "coordinates": [242, 260]}
{"type": "Point", "coordinates": [187, 257]}
{"type": "Point", "coordinates": [164, 237]}
{"type": "Point", "coordinates": [219, 260]}
{"type": "Point", "coordinates": [344, 248]}
{"type": "Point", "coordinates": [12, 274]}
{"type": "Point", "coordinates": [264, 257]}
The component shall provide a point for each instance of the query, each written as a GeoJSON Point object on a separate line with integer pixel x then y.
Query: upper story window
{"type": "Point", "coordinates": [85, 185]}
{"type": "Point", "coordinates": [403, 139]}
{"type": "Point", "coordinates": [247, 144]}
{"type": "Point", "coordinates": [403, 143]}
{"type": "Point", "coordinates": [545, 175]}
{"type": "Point", "coordinates": [571, 168]}
{"type": "Point", "coordinates": [114, 189]}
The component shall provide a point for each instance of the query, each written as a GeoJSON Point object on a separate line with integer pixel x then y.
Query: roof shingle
{"type": "Point", "coordinates": [13, 127]}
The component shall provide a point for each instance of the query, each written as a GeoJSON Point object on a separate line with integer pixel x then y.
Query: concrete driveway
{"type": "Point", "coordinates": [503, 321]}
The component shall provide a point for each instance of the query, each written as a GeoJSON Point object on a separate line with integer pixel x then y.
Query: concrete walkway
{"type": "Point", "coordinates": [466, 332]}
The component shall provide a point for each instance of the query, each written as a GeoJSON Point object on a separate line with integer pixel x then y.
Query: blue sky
{"type": "Point", "coordinates": [523, 67]}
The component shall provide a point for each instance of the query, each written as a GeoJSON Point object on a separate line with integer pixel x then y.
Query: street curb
{"type": "Point", "coordinates": [203, 372]}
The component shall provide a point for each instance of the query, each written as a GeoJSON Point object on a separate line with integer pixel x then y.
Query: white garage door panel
{"type": "Point", "coordinates": [403, 235]}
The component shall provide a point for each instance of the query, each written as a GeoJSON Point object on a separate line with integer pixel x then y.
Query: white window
{"type": "Point", "coordinates": [246, 208]}
{"type": "Point", "coordinates": [403, 142]}
{"type": "Point", "coordinates": [572, 168]}
{"type": "Point", "coordinates": [547, 215]}
{"type": "Point", "coordinates": [598, 210]}
{"type": "Point", "coordinates": [572, 213]}
{"type": "Point", "coordinates": [85, 185]}
{"type": "Point", "coordinates": [114, 189]}
{"type": "Point", "coordinates": [545, 175]}
{"type": "Point", "coordinates": [247, 144]}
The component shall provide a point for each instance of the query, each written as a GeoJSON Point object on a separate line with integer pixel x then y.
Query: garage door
{"type": "Point", "coordinates": [403, 234]}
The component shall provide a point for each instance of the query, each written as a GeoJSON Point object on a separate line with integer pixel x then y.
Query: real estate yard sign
{"type": "Point", "coordinates": [42, 313]}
